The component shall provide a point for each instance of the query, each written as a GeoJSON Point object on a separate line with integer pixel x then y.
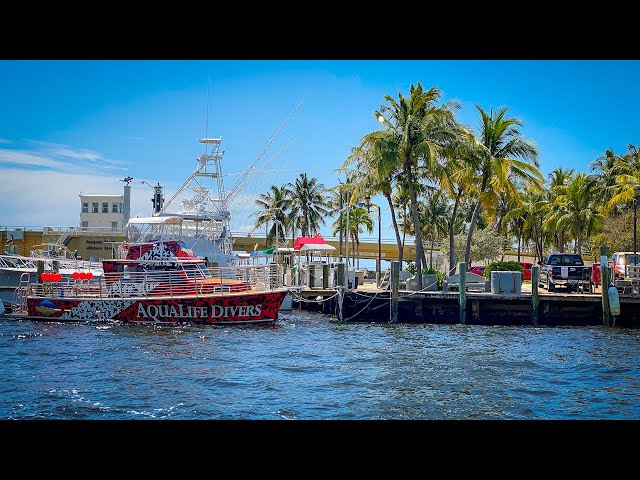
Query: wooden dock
{"type": "Point", "coordinates": [368, 304]}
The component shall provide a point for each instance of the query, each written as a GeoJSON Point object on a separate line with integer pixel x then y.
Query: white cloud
{"type": "Point", "coordinates": [16, 157]}
{"type": "Point", "coordinates": [59, 158]}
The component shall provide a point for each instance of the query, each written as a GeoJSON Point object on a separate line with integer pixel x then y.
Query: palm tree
{"type": "Point", "coordinates": [308, 203]}
{"type": "Point", "coordinates": [434, 217]}
{"type": "Point", "coordinates": [374, 170]}
{"type": "Point", "coordinates": [558, 177]}
{"type": "Point", "coordinates": [358, 218]}
{"type": "Point", "coordinates": [505, 157]}
{"type": "Point", "coordinates": [628, 170]}
{"type": "Point", "coordinates": [531, 212]}
{"type": "Point", "coordinates": [577, 209]}
{"type": "Point", "coordinates": [460, 164]}
{"type": "Point", "coordinates": [604, 170]}
{"type": "Point", "coordinates": [274, 205]}
{"type": "Point", "coordinates": [400, 203]}
{"type": "Point", "coordinates": [415, 130]}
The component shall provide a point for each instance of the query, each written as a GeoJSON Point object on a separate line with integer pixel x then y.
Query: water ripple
{"type": "Point", "coordinates": [308, 366]}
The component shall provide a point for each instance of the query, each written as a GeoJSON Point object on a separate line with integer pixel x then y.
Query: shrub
{"type": "Point", "coordinates": [511, 266]}
{"type": "Point", "coordinates": [439, 276]}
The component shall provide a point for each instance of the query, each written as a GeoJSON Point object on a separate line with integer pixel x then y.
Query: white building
{"type": "Point", "coordinates": [102, 212]}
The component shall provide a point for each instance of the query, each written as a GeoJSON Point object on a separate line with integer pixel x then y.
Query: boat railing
{"type": "Point", "coordinates": [165, 283]}
{"type": "Point", "coordinates": [16, 261]}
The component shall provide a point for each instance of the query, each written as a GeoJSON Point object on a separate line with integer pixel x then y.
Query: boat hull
{"type": "Point", "coordinates": [241, 308]}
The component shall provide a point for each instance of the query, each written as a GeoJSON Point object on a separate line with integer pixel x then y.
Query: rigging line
{"type": "Point", "coordinates": [245, 180]}
{"type": "Point", "coordinates": [274, 136]}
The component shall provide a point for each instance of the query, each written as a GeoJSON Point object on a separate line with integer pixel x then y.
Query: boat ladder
{"type": "Point", "coordinates": [19, 304]}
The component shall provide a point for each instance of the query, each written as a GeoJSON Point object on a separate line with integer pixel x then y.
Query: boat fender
{"type": "Point", "coordinates": [614, 301]}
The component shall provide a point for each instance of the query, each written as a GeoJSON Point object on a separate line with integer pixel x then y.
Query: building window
{"type": "Point", "coordinates": [85, 224]}
{"type": "Point", "coordinates": [114, 208]}
{"type": "Point", "coordinates": [105, 207]}
{"type": "Point", "coordinates": [114, 226]}
{"type": "Point", "coordinates": [85, 207]}
{"type": "Point", "coordinates": [94, 206]}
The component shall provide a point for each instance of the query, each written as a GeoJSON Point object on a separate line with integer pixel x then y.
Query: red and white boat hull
{"type": "Point", "coordinates": [259, 307]}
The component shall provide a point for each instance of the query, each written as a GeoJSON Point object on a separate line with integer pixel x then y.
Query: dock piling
{"type": "Point", "coordinates": [341, 270]}
{"type": "Point", "coordinates": [462, 292]}
{"type": "Point", "coordinates": [395, 280]}
{"type": "Point", "coordinates": [604, 272]}
{"type": "Point", "coordinates": [325, 276]}
{"type": "Point", "coordinates": [535, 299]}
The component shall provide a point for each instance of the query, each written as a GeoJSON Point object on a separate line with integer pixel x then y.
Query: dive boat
{"type": "Point", "coordinates": [157, 282]}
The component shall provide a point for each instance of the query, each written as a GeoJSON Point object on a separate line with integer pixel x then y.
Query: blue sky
{"type": "Point", "coordinates": [78, 126]}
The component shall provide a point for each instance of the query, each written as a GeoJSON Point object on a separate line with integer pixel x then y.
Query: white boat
{"type": "Point", "coordinates": [52, 258]}
{"type": "Point", "coordinates": [205, 227]}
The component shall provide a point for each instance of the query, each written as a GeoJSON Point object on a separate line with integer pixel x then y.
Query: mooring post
{"type": "Point", "coordinates": [39, 270]}
{"type": "Point", "coordinates": [325, 276]}
{"type": "Point", "coordinates": [395, 280]}
{"type": "Point", "coordinates": [604, 272]}
{"type": "Point", "coordinates": [312, 275]}
{"type": "Point", "coordinates": [535, 299]}
{"type": "Point", "coordinates": [462, 292]}
{"type": "Point", "coordinates": [341, 274]}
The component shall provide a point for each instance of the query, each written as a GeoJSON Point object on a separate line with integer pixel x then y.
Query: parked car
{"type": "Point", "coordinates": [563, 270]}
{"type": "Point", "coordinates": [478, 269]}
{"type": "Point", "coordinates": [526, 270]}
{"type": "Point", "coordinates": [622, 259]}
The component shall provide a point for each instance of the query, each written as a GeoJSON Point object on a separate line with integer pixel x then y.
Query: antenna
{"type": "Point", "coordinates": [206, 128]}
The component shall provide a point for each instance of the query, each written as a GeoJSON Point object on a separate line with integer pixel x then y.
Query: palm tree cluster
{"type": "Point", "coordinates": [442, 179]}
{"type": "Point", "coordinates": [292, 207]}
{"type": "Point", "coordinates": [440, 170]}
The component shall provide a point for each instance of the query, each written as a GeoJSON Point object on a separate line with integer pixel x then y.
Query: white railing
{"type": "Point", "coordinates": [17, 262]}
{"type": "Point", "coordinates": [173, 283]}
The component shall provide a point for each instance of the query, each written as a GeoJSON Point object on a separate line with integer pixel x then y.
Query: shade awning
{"type": "Point", "coordinates": [301, 241]}
{"type": "Point", "coordinates": [323, 247]}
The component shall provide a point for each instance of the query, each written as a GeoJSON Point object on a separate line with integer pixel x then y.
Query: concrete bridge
{"type": "Point", "coordinates": [367, 249]}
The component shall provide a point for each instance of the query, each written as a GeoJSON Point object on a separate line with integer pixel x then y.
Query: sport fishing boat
{"type": "Point", "coordinates": [157, 282]}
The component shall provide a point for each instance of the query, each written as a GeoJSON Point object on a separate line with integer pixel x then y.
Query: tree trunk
{"type": "Point", "coordinates": [452, 253]}
{"type": "Point", "coordinates": [395, 228]}
{"type": "Point", "coordinates": [472, 226]}
{"type": "Point", "coordinates": [413, 205]}
{"type": "Point", "coordinates": [431, 256]}
{"type": "Point", "coordinates": [341, 225]}
{"type": "Point", "coordinates": [519, 238]}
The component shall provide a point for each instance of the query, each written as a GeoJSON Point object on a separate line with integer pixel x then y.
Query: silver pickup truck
{"type": "Point", "coordinates": [565, 270]}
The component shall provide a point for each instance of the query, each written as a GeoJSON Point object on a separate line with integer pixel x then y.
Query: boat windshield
{"type": "Point", "coordinates": [203, 269]}
{"type": "Point", "coordinates": [192, 272]}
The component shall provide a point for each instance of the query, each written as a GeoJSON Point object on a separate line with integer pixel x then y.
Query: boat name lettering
{"type": "Point", "coordinates": [236, 311]}
{"type": "Point", "coordinates": [157, 312]}
{"type": "Point", "coordinates": [95, 242]}
{"type": "Point", "coordinates": [171, 311]}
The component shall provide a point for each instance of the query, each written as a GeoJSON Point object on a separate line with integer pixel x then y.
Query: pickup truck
{"type": "Point", "coordinates": [563, 270]}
